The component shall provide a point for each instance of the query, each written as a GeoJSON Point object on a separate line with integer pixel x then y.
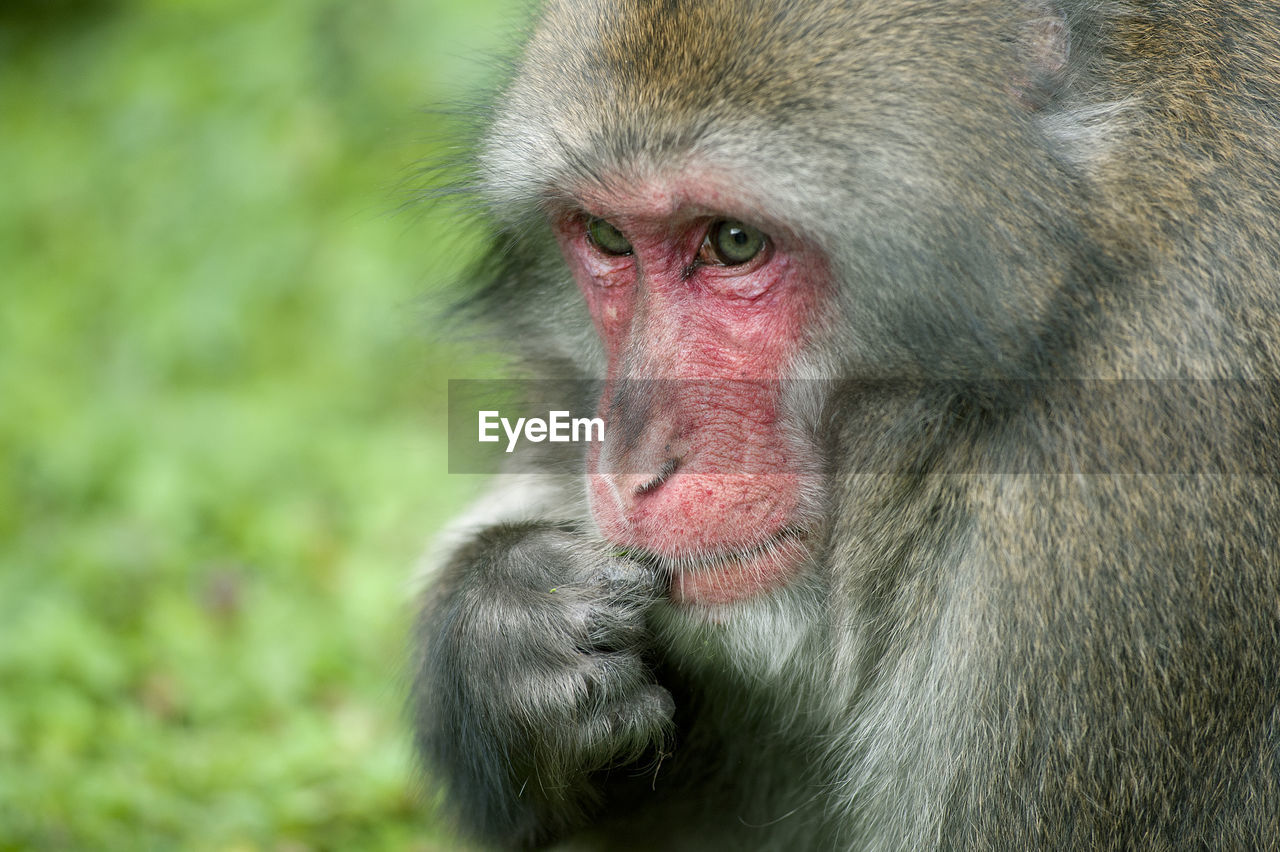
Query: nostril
{"type": "Point", "coordinates": [664, 473]}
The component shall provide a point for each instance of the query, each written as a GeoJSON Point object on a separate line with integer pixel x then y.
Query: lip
{"type": "Point", "coordinates": [721, 578]}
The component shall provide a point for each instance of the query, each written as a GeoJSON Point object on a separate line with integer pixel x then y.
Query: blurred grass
{"type": "Point", "coordinates": [221, 414]}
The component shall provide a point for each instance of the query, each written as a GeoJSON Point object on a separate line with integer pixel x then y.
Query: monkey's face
{"type": "Point", "coordinates": [701, 316]}
{"type": "Point", "coordinates": [747, 203]}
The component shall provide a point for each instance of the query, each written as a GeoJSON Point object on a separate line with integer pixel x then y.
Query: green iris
{"type": "Point", "coordinates": [734, 243]}
{"type": "Point", "coordinates": [607, 238]}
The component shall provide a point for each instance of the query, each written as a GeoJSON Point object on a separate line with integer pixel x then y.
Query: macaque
{"type": "Point", "coordinates": [938, 501]}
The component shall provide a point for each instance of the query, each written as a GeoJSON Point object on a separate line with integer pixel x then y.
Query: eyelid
{"type": "Point", "coordinates": [589, 228]}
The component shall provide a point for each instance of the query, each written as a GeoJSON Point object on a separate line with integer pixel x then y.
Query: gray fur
{"type": "Point", "coordinates": [1044, 612]}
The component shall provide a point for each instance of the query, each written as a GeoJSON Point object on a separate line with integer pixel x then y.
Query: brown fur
{"type": "Point", "coordinates": [1046, 613]}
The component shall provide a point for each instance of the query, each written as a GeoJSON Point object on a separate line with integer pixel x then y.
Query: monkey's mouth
{"type": "Point", "coordinates": [724, 576]}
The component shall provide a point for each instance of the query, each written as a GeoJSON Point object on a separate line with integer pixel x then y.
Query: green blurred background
{"type": "Point", "coordinates": [221, 413]}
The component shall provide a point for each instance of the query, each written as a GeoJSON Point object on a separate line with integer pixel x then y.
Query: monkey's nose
{"type": "Point", "coordinates": [630, 488]}
{"type": "Point", "coordinates": [664, 473]}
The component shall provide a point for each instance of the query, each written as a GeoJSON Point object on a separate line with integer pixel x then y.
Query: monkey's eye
{"type": "Point", "coordinates": [607, 238]}
{"type": "Point", "coordinates": [731, 243]}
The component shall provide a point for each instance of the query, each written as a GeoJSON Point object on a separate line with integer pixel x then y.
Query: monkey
{"type": "Point", "coordinates": [938, 500]}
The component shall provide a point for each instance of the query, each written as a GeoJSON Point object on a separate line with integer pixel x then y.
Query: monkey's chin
{"type": "Point", "coordinates": [727, 578]}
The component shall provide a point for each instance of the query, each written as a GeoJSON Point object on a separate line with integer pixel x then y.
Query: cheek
{"type": "Point", "coordinates": [759, 337]}
{"type": "Point", "coordinates": [607, 285]}
{"type": "Point", "coordinates": [611, 310]}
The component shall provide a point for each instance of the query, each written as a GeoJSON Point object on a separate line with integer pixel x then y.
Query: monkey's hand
{"type": "Point", "coordinates": [531, 679]}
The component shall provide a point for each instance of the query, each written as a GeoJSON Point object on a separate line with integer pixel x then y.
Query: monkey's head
{"type": "Point", "coordinates": [747, 196]}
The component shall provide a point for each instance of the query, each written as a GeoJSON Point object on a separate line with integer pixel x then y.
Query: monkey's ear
{"type": "Point", "coordinates": [1043, 41]}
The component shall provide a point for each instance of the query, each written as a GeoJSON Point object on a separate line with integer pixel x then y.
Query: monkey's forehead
{"type": "Point", "coordinates": [610, 86]}
{"type": "Point", "coordinates": [683, 60]}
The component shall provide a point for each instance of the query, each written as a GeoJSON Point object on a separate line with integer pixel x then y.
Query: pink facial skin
{"type": "Point", "coordinates": [696, 467]}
